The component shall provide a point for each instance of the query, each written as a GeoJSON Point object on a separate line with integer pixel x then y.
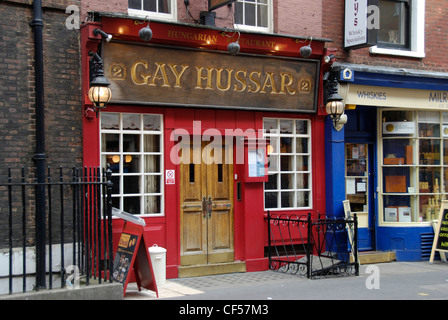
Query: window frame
{"type": "Point", "coordinates": [416, 47]}
{"type": "Point", "coordinates": [155, 15]}
{"type": "Point", "coordinates": [246, 27]}
{"type": "Point", "coordinates": [406, 27]}
{"type": "Point", "coordinates": [277, 152]}
{"type": "Point", "coordinates": [142, 174]}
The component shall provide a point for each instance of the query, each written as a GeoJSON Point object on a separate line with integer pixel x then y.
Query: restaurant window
{"type": "Point", "coordinates": [289, 171]}
{"type": "Point", "coordinates": [253, 15]}
{"type": "Point", "coordinates": [414, 165]}
{"type": "Point", "coordinates": [132, 145]}
{"type": "Point", "coordinates": [162, 9]}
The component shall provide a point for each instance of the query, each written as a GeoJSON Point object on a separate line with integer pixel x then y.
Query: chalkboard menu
{"type": "Point", "coordinates": [442, 236]}
{"type": "Point", "coordinates": [441, 232]}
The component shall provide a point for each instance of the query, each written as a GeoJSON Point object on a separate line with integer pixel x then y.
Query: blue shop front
{"type": "Point", "coordinates": [390, 160]}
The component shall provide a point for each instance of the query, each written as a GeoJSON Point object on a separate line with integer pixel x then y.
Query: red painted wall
{"type": "Point", "coordinates": [249, 215]}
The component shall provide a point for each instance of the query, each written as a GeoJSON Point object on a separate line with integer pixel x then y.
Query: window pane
{"type": "Point", "coordinates": [302, 163]}
{"type": "Point", "coordinates": [394, 23]}
{"type": "Point", "coordinates": [152, 143]}
{"type": "Point", "coordinates": [445, 152]}
{"type": "Point", "coordinates": [288, 199]}
{"type": "Point", "coordinates": [303, 181]}
{"type": "Point", "coordinates": [151, 122]}
{"type": "Point", "coordinates": [164, 6]}
{"type": "Point", "coordinates": [286, 145]}
{"type": "Point", "coordinates": [301, 127]}
{"type": "Point", "coordinates": [149, 5]}
{"type": "Point", "coordinates": [131, 184]}
{"type": "Point", "coordinates": [286, 126]}
{"type": "Point", "coordinates": [273, 163]}
{"type": "Point", "coordinates": [429, 151]}
{"type": "Point", "coordinates": [239, 13]}
{"type": "Point", "coordinates": [152, 204]}
{"type": "Point", "coordinates": [287, 181]}
{"type": "Point", "coordinates": [302, 145]}
{"type": "Point", "coordinates": [397, 151]}
{"type": "Point", "coordinates": [270, 200]}
{"type": "Point", "coordinates": [262, 16]}
{"type": "Point", "coordinates": [110, 142]}
{"type": "Point", "coordinates": [110, 121]}
{"type": "Point", "coordinates": [131, 164]}
{"type": "Point", "coordinates": [131, 143]}
{"type": "Point", "coordinates": [287, 163]}
{"type": "Point", "coordinates": [270, 125]}
{"type": "Point", "coordinates": [429, 130]}
{"type": "Point", "coordinates": [135, 4]}
{"type": "Point", "coordinates": [272, 183]}
{"type": "Point", "coordinates": [303, 199]}
{"type": "Point", "coordinates": [152, 184]}
{"type": "Point", "coordinates": [249, 14]}
{"type": "Point", "coordinates": [131, 122]}
{"type": "Point", "coordinates": [152, 164]}
{"type": "Point", "coordinates": [429, 180]}
{"type": "Point", "coordinates": [132, 205]}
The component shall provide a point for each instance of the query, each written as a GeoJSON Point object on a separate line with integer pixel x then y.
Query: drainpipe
{"type": "Point", "coordinates": [39, 157]}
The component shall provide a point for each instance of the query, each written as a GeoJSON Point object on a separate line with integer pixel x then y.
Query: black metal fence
{"type": "Point", "coordinates": [313, 247]}
{"type": "Point", "coordinates": [78, 229]}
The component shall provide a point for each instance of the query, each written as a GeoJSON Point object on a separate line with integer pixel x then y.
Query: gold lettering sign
{"type": "Point", "coordinates": [171, 76]}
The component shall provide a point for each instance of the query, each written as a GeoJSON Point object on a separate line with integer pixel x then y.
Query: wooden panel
{"type": "Point", "coordinates": [207, 237]}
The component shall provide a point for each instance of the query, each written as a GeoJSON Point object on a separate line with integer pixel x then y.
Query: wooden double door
{"type": "Point", "coordinates": [206, 206]}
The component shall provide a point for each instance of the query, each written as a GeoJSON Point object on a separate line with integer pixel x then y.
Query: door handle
{"type": "Point", "coordinates": [210, 206]}
{"type": "Point", "coordinates": [204, 207]}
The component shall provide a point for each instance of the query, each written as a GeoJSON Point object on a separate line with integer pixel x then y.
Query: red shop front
{"type": "Point", "coordinates": [188, 131]}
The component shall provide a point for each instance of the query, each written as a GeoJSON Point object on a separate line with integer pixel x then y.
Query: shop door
{"type": "Point", "coordinates": [360, 190]}
{"type": "Point", "coordinates": [206, 206]}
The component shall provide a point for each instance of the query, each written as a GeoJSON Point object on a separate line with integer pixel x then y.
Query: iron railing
{"type": "Point", "coordinates": [313, 247]}
{"type": "Point", "coordinates": [78, 229]}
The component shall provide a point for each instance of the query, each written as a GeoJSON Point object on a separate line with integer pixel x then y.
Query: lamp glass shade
{"type": "Point", "coordinates": [335, 108]}
{"type": "Point", "coordinates": [99, 95]}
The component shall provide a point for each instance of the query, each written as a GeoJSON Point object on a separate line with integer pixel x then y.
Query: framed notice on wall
{"type": "Point", "coordinates": [441, 232]}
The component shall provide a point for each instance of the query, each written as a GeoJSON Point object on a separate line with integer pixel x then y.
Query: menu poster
{"type": "Point", "coordinates": [441, 232]}
{"type": "Point", "coordinates": [123, 257]}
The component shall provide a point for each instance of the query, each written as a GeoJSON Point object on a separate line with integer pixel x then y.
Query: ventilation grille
{"type": "Point", "coordinates": [427, 240]}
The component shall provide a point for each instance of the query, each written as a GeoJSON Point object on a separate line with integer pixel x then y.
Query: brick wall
{"type": "Point", "coordinates": [301, 18]}
{"type": "Point", "coordinates": [62, 100]}
{"type": "Point", "coordinates": [436, 41]}
{"type": "Point", "coordinates": [291, 17]}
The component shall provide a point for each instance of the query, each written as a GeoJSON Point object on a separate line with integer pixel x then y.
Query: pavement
{"type": "Point", "coordinates": [384, 281]}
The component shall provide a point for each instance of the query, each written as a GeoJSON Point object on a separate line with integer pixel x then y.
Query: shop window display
{"type": "Point", "coordinates": [414, 164]}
